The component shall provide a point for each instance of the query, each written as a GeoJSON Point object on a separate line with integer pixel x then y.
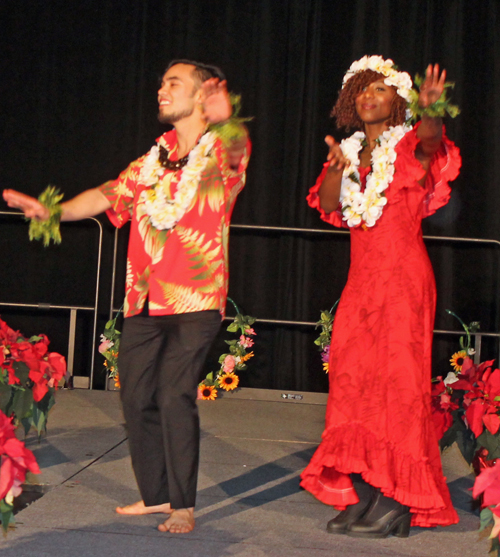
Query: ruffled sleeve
{"type": "Point", "coordinates": [335, 217]}
{"type": "Point", "coordinates": [444, 168]}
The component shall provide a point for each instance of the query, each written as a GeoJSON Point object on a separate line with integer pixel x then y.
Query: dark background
{"type": "Point", "coordinates": [78, 103]}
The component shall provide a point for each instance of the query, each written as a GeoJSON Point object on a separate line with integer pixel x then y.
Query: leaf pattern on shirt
{"type": "Point", "coordinates": [129, 281]}
{"type": "Point", "coordinates": [211, 188]}
{"type": "Point", "coordinates": [142, 287]}
{"type": "Point", "coordinates": [203, 254]}
{"type": "Point", "coordinates": [154, 240]}
{"type": "Point", "coordinates": [235, 191]}
{"type": "Point", "coordinates": [155, 305]}
{"type": "Point", "coordinates": [185, 299]}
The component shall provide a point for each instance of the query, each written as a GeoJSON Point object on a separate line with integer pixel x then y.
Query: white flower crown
{"type": "Point", "coordinates": [400, 80]}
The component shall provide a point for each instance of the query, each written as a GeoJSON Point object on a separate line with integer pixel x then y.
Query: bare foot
{"type": "Point", "coordinates": [181, 521]}
{"type": "Point", "coordinates": [140, 508]}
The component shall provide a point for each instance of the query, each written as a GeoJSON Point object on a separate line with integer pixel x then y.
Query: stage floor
{"type": "Point", "coordinates": [254, 446]}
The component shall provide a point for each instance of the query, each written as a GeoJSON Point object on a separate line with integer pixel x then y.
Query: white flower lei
{"type": "Point", "coordinates": [366, 207]}
{"type": "Point", "coordinates": [165, 213]}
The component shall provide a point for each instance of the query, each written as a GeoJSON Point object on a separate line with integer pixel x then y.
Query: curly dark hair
{"type": "Point", "coordinates": [201, 71]}
{"type": "Point", "coordinates": [344, 110]}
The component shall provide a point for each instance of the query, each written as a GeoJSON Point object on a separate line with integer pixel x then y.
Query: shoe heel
{"type": "Point", "coordinates": [402, 530]}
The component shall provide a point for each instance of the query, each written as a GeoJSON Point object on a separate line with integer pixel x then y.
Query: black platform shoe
{"type": "Point", "coordinates": [384, 517]}
{"type": "Point", "coordinates": [344, 519]}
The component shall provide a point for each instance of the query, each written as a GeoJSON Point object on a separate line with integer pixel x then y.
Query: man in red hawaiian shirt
{"type": "Point", "coordinates": [179, 198]}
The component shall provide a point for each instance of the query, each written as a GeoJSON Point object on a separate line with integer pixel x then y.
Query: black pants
{"type": "Point", "coordinates": [160, 364]}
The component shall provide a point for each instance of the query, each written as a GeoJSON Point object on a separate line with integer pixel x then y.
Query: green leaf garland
{"type": "Point", "coordinates": [48, 229]}
{"type": "Point", "coordinates": [437, 109]}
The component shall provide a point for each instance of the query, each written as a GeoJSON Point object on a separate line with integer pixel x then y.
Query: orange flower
{"type": "Point", "coordinates": [207, 392]}
{"type": "Point", "coordinates": [325, 367]}
{"type": "Point", "coordinates": [116, 379]}
{"type": "Point", "coordinates": [229, 381]}
{"type": "Point", "coordinates": [457, 360]}
{"type": "Point", "coordinates": [246, 357]}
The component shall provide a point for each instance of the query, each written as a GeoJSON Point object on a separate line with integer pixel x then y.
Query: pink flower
{"type": "Point", "coordinates": [106, 344]}
{"type": "Point", "coordinates": [250, 331]}
{"type": "Point", "coordinates": [229, 363]}
{"type": "Point", "coordinates": [246, 342]}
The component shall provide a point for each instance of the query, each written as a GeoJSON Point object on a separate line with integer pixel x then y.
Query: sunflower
{"type": "Point", "coordinates": [207, 392]}
{"type": "Point", "coordinates": [228, 381]}
{"type": "Point", "coordinates": [457, 360]}
{"type": "Point", "coordinates": [246, 357]}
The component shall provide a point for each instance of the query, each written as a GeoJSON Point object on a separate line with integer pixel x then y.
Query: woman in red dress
{"type": "Point", "coordinates": [379, 461]}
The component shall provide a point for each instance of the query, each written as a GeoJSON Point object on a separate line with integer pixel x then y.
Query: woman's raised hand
{"type": "Point", "coordinates": [433, 86]}
{"type": "Point", "coordinates": [335, 156]}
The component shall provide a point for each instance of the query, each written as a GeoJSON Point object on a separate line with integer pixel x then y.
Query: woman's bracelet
{"type": "Point", "coordinates": [437, 109]}
{"type": "Point", "coordinates": [47, 230]}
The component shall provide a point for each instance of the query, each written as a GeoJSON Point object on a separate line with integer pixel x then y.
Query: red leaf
{"type": "Point", "coordinates": [474, 415]}
{"type": "Point", "coordinates": [488, 482]}
{"type": "Point", "coordinates": [492, 422]}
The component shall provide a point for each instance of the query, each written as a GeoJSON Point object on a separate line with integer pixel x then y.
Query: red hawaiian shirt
{"type": "Point", "coordinates": [183, 269]}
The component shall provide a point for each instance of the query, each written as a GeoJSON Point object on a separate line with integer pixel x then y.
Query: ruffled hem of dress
{"type": "Point", "coordinates": [444, 167]}
{"type": "Point", "coordinates": [352, 449]}
{"type": "Point", "coordinates": [335, 217]}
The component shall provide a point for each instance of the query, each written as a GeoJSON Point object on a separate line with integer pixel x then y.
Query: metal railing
{"type": "Point", "coordinates": [73, 309]}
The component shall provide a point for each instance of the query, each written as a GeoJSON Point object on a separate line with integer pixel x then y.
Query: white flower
{"type": "Point", "coordinates": [367, 206]}
{"type": "Point", "coordinates": [166, 213]}
{"type": "Point", "coordinates": [450, 378]}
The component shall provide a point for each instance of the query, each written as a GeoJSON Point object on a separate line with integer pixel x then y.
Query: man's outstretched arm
{"type": "Point", "coordinates": [87, 204]}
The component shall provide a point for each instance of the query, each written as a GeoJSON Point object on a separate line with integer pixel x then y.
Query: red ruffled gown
{"type": "Point", "coordinates": [378, 417]}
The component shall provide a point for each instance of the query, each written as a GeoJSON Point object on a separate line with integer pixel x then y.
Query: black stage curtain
{"type": "Point", "coordinates": [78, 92]}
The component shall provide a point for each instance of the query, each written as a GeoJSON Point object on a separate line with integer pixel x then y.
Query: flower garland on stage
{"type": "Point", "coordinates": [109, 348]}
{"type": "Point", "coordinates": [226, 377]}
{"type": "Point", "coordinates": [365, 207]}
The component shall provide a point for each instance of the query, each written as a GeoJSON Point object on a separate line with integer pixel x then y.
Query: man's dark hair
{"type": "Point", "coordinates": [201, 71]}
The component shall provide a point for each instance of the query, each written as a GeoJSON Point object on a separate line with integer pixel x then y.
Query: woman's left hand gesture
{"type": "Point", "coordinates": [433, 86]}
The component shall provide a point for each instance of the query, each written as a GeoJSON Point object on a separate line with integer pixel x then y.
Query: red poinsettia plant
{"type": "Point", "coordinates": [466, 410]}
{"type": "Point", "coordinates": [15, 461]}
{"type": "Point", "coordinates": [29, 375]}
{"type": "Point", "coordinates": [487, 487]}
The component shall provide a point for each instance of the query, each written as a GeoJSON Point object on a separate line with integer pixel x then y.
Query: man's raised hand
{"type": "Point", "coordinates": [215, 99]}
{"type": "Point", "coordinates": [31, 207]}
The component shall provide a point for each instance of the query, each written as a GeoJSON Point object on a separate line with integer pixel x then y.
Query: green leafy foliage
{"type": "Point", "coordinates": [48, 229]}
{"type": "Point", "coordinates": [437, 109]}
{"type": "Point", "coordinates": [231, 130]}
{"type": "Point", "coordinates": [486, 518]}
{"type": "Point", "coordinates": [7, 514]}
{"type": "Point", "coordinates": [462, 435]}
{"type": "Point", "coordinates": [491, 443]}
